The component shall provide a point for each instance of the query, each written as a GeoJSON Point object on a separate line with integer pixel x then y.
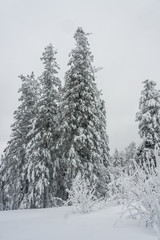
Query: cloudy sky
{"type": "Point", "coordinates": [125, 42]}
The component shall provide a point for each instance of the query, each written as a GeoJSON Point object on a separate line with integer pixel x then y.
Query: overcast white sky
{"type": "Point", "coordinates": [125, 42]}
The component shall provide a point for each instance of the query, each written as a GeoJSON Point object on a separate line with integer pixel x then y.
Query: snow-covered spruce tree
{"type": "Point", "coordinates": [130, 155]}
{"type": "Point", "coordinates": [130, 151]}
{"type": "Point", "coordinates": [104, 142]}
{"type": "Point", "coordinates": [149, 122]}
{"type": "Point", "coordinates": [83, 142]}
{"type": "Point", "coordinates": [116, 159]}
{"type": "Point", "coordinates": [116, 170]}
{"type": "Point", "coordinates": [122, 164]}
{"type": "Point", "coordinates": [104, 171]}
{"type": "Point", "coordinates": [41, 152]}
{"type": "Point", "coordinates": [122, 161]}
{"type": "Point", "coordinates": [117, 164]}
{"type": "Point", "coordinates": [13, 176]}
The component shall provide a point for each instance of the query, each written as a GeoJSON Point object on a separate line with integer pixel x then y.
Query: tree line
{"type": "Point", "coordinates": [60, 133]}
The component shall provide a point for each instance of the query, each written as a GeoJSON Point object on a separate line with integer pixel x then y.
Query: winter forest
{"type": "Point", "coordinates": [58, 153]}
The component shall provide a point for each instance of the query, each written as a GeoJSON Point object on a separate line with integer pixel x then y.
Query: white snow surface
{"type": "Point", "coordinates": [60, 224]}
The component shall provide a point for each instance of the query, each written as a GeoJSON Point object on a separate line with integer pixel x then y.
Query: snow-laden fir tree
{"type": "Point", "coordinates": [104, 174]}
{"type": "Point", "coordinates": [130, 155]}
{"type": "Point", "coordinates": [121, 164]}
{"type": "Point", "coordinates": [117, 164]}
{"type": "Point", "coordinates": [122, 161]}
{"type": "Point", "coordinates": [83, 142]}
{"type": "Point", "coordinates": [130, 151]}
{"type": "Point", "coordinates": [14, 183]}
{"type": "Point", "coordinates": [117, 159]}
{"type": "Point", "coordinates": [149, 122]}
{"type": "Point", "coordinates": [41, 152]}
{"type": "Point", "coordinates": [104, 142]}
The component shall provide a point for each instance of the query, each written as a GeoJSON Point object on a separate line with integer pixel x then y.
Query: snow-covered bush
{"type": "Point", "coordinates": [140, 193]}
{"type": "Point", "coordinates": [82, 196]}
{"type": "Point", "coordinates": [116, 193]}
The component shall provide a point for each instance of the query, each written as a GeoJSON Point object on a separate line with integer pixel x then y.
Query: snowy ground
{"type": "Point", "coordinates": [59, 224]}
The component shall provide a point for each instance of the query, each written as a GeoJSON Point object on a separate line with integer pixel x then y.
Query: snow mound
{"type": "Point", "coordinates": [59, 224]}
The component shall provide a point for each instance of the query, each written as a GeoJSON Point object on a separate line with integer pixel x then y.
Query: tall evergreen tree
{"type": "Point", "coordinates": [104, 142]}
{"type": "Point", "coordinates": [104, 169]}
{"type": "Point", "coordinates": [118, 159]}
{"type": "Point", "coordinates": [42, 146]}
{"type": "Point", "coordinates": [130, 156]}
{"type": "Point", "coordinates": [82, 124]}
{"type": "Point", "coordinates": [13, 181]}
{"type": "Point", "coordinates": [130, 152]}
{"type": "Point", "coordinates": [149, 122]}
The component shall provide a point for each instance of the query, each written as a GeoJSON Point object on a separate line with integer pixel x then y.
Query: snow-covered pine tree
{"type": "Point", "coordinates": [41, 150]}
{"type": "Point", "coordinates": [149, 122]}
{"type": "Point", "coordinates": [116, 169]}
{"type": "Point", "coordinates": [82, 124]}
{"type": "Point", "coordinates": [117, 164]}
{"type": "Point", "coordinates": [104, 142]}
{"type": "Point", "coordinates": [118, 159]}
{"type": "Point", "coordinates": [104, 175]}
{"type": "Point", "coordinates": [130, 151]}
{"type": "Point", "coordinates": [130, 155]}
{"type": "Point", "coordinates": [13, 177]}
{"type": "Point", "coordinates": [122, 161]}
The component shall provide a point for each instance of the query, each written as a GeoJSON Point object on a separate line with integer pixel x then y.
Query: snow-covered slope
{"type": "Point", "coordinates": [59, 224]}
